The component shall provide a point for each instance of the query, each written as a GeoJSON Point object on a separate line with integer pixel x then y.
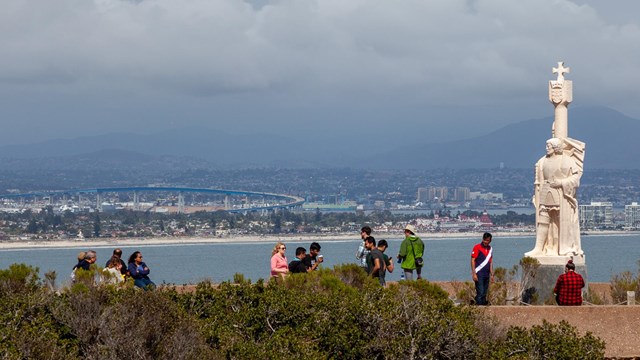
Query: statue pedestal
{"type": "Point", "coordinates": [544, 280]}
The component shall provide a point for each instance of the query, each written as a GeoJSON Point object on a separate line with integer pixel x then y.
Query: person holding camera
{"type": "Point", "coordinates": [482, 268]}
{"type": "Point", "coordinates": [411, 253]}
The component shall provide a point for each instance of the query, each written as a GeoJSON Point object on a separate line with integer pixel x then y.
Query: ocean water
{"type": "Point", "coordinates": [445, 259]}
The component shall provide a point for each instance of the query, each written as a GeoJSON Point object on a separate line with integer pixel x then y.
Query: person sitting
{"type": "Point", "coordinates": [112, 274]}
{"type": "Point", "coordinates": [85, 260]}
{"type": "Point", "coordinates": [139, 271]}
{"type": "Point", "coordinates": [123, 268]}
{"type": "Point", "coordinates": [569, 286]}
{"type": "Point", "coordinates": [89, 258]}
{"type": "Point", "coordinates": [297, 265]}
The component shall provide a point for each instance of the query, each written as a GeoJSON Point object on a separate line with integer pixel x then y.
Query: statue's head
{"type": "Point", "coordinates": [554, 145]}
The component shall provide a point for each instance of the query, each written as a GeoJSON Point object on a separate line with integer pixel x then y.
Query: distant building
{"type": "Point", "coordinates": [632, 216]}
{"type": "Point", "coordinates": [433, 193]}
{"type": "Point", "coordinates": [461, 194]}
{"type": "Point", "coordinates": [596, 215]}
{"type": "Point", "coordinates": [477, 195]}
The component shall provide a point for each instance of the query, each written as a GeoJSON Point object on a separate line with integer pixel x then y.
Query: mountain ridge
{"type": "Point", "coordinates": [610, 137]}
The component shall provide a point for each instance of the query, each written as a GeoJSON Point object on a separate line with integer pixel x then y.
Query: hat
{"type": "Point", "coordinates": [410, 227]}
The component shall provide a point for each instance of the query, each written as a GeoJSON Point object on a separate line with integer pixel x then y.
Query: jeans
{"type": "Point", "coordinates": [143, 283]}
{"type": "Point", "coordinates": [482, 288]}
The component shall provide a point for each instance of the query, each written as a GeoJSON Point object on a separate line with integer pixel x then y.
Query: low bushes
{"type": "Point", "coordinates": [331, 314]}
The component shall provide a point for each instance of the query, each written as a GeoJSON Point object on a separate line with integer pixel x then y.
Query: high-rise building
{"type": "Point", "coordinates": [596, 215]}
{"type": "Point", "coordinates": [431, 193]}
{"type": "Point", "coordinates": [423, 195]}
{"type": "Point", "coordinates": [632, 216]}
{"type": "Point", "coordinates": [461, 194]}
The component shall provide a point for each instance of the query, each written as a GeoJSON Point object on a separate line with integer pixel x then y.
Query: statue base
{"type": "Point", "coordinates": [544, 280]}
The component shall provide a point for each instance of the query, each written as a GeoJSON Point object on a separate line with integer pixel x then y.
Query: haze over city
{"type": "Point", "coordinates": [320, 70]}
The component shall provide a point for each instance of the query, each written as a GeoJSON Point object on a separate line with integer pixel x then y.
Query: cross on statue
{"type": "Point", "coordinates": [561, 70]}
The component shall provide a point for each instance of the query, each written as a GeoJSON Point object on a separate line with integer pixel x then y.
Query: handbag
{"type": "Point", "coordinates": [418, 260]}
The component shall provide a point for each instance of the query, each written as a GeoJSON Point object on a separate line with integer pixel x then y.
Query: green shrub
{"type": "Point", "coordinates": [329, 314]}
{"type": "Point", "coordinates": [19, 278]}
{"type": "Point", "coordinates": [546, 341]}
{"type": "Point", "coordinates": [623, 282]}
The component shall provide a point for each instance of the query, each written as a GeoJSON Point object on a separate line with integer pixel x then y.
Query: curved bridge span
{"type": "Point", "coordinates": [283, 201]}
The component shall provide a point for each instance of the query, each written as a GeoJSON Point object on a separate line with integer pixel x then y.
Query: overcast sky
{"type": "Point", "coordinates": [386, 69]}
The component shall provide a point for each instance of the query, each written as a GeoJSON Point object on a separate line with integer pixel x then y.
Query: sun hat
{"type": "Point", "coordinates": [410, 227]}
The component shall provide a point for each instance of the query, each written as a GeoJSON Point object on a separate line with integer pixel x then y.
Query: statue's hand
{"type": "Point", "coordinates": [555, 184]}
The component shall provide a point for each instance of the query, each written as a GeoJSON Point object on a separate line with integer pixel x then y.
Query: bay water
{"type": "Point", "coordinates": [445, 259]}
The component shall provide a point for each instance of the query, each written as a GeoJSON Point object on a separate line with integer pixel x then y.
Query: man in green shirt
{"type": "Point", "coordinates": [412, 248]}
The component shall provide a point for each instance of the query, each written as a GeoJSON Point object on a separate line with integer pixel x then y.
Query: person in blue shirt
{"type": "Point", "coordinates": [139, 271]}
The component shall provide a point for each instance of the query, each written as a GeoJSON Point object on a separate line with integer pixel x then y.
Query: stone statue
{"type": "Point", "coordinates": [557, 178]}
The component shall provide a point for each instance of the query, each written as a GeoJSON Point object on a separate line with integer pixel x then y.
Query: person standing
{"type": "Point", "coordinates": [411, 252]}
{"type": "Point", "coordinates": [297, 265]}
{"type": "Point", "coordinates": [388, 263]}
{"type": "Point", "coordinates": [482, 268]}
{"type": "Point", "coordinates": [375, 260]}
{"type": "Point", "coordinates": [313, 259]}
{"type": "Point", "coordinates": [362, 252]}
{"type": "Point", "coordinates": [279, 264]}
{"type": "Point", "coordinates": [569, 286]}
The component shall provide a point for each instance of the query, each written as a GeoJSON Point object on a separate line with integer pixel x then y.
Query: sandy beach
{"type": "Point", "coordinates": [111, 242]}
{"type": "Point", "coordinates": [114, 242]}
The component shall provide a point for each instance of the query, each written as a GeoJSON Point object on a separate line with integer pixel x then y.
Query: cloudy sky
{"type": "Point", "coordinates": [390, 70]}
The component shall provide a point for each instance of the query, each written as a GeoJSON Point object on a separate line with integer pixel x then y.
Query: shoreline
{"type": "Point", "coordinates": [116, 242]}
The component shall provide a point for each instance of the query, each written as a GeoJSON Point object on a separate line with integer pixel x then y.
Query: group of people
{"type": "Point", "coordinates": [376, 263]}
{"type": "Point", "coordinates": [302, 263]}
{"type": "Point", "coordinates": [116, 270]}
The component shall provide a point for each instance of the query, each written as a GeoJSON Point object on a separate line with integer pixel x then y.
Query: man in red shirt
{"type": "Point", "coordinates": [482, 268]}
{"type": "Point", "coordinates": [569, 286]}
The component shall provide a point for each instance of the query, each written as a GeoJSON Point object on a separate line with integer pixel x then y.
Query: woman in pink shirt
{"type": "Point", "coordinates": [279, 263]}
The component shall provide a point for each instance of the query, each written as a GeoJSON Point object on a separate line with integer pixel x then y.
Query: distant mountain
{"type": "Point", "coordinates": [106, 159]}
{"type": "Point", "coordinates": [611, 143]}
{"type": "Point", "coordinates": [223, 149]}
{"type": "Point", "coordinates": [611, 139]}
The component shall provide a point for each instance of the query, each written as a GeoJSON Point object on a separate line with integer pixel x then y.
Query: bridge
{"type": "Point", "coordinates": [283, 201]}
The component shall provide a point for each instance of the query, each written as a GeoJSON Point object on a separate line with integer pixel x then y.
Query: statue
{"type": "Point", "coordinates": [557, 178]}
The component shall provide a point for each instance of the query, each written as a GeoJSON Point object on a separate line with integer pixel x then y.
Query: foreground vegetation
{"type": "Point", "coordinates": [329, 314]}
